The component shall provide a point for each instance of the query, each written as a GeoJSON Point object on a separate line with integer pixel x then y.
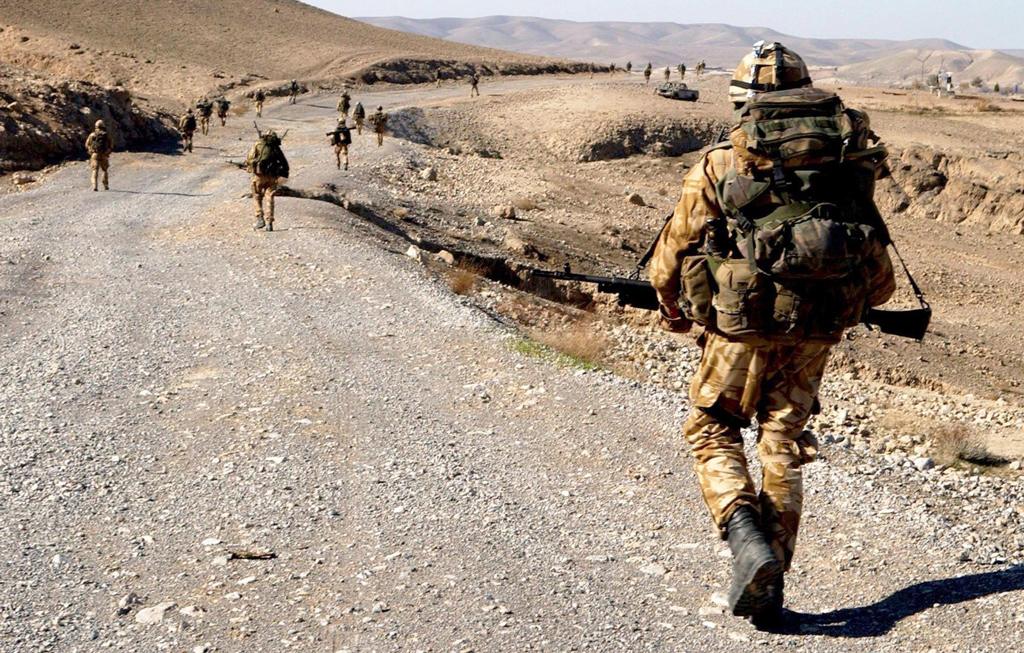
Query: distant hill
{"type": "Point", "coordinates": [661, 43]}
{"type": "Point", "coordinates": [992, 66]}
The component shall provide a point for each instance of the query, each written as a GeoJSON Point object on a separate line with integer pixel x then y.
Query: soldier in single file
{"type": "Point", "coordinates": [359, 116]}
{"type": "Point", "coordinates": [223, 105]}
{"type": "Point", "coordinates": [647, 73]}
{"type": "Point", "coordinates": [187, 126]}
{"type": "Point", "coordinates": [293, 92]}
{"type": "Point", "coordinates": [682, 71]}
{"type": "Point", "coordinates": [99, 145]}
{"type": "Point", "coordinates": [344, 104]}
{"type": "Point", "coordinates": [205, 109]}
{"type": "Point", "coordinates": [259, 97]}
{"type": "Point", "coordinates": [474, 85]}
{"type": "Point", "coordinates": [268, 165]}
{"type": "Point", "coordinates": [668, 73]}
{"type": "Point", "coordinates": [340, 139]}
{"type": "Point", "coordinates": [379, 122]}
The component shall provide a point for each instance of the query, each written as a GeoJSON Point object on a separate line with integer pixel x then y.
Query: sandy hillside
{"type": "Point", "coordinates": [992, 66]}
{"type": "Point", "coordinates": [178, 49]}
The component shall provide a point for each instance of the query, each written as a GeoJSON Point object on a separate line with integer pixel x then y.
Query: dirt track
{"type": "Point", "coordinates": [177, 387]}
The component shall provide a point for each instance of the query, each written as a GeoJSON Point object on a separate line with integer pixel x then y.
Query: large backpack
{"type": "Point", "coordinates": [800, 222]}
{"type": "Point", "coordinates": [267, 158]}
{"type": "Point", "coordinates": [341, 136]}
{"type": "Point", "coordinates": [188, 123]}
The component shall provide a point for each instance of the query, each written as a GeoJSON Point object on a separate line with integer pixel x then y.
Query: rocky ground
{"type": "Point", "coordinates": [221, 440]}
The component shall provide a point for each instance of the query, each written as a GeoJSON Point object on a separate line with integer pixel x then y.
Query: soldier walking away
{"type": "Point", "coordinates": [591, 68]}
{"type": "Point", "coordinates": [341, 138]}
{"type": "Point", "coordinates": [379, 120]}
{"type": "Point", "coordinates": [344, 104]}
{"type": "Point", "coordinates": [205, 109]}
{"type": "Point", "coordinates": [474, 86]}
{"type": "Point", "coordinates": [647, 73]}
{"type": "Point", "coordinates": [700, 68]}
{"type": "Point", "coordinates": [772, 302]}
{"type": "Point", "coordinates": [668, 73]}
{"type": "Point", "coordinates": [187, 126]}
{"type": "Point", "coordinates": [682, 71]}
{"type": "Point", "coordinates": [268, 166]}
{"type": "Point", "coordinates": [629, 67]}
{"type": "Point", "coordinates": [260, 97]}
{"type": "Point", "coordinates": [359, 115]}
{"type": "Point", "coordinates": [222, 110]}
{"type": "Point", "coordinates": [611, 69]}
{"type": "Point", "coordinates": [293, 92]}
{"type": "Point", "coordinates": [99, 145]}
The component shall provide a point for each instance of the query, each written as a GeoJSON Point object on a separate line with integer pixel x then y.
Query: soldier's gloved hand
{"type": "Point", "coordinates": [673, 320]}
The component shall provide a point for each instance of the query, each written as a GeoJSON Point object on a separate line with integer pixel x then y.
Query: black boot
{"type": "Point", "coordinates": [755, 570]}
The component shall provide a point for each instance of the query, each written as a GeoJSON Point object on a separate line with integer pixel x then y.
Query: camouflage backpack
{"type": "Point", "coordinates": [267, 158]}
{"type": "Point", "coordinates": [799, 221]}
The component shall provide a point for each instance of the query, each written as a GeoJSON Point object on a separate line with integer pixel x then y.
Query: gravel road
{"type": "Point", "coordinates": [213, 439]}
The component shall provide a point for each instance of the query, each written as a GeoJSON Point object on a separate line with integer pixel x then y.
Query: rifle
{"type": "Point", "coordinates": [905, 323]}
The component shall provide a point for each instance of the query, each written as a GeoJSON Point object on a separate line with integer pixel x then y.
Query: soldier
{"type": "Point", "coordinates": [591, 68]}
{"type": "Point", "coordinates": [474, 86]}
{"type": "Point", "coordinates": [668, 73]}
{"type": "Point", "coordinates": [682, 71]}
{"type": "Point", "coordinates": [359, 115]}
{"type": "Point", "coordinates": [344, 104]}
{"type": "Point", "coordinates": [700, 68]}
{"type": "Point", "coordinates": [268, 166]}
{"type": "Point", "coordinates": [293, 92]}
{"type": "Point", "coordinates": [99, 145]}
{"type": "Point", "coordinates": [222, 110]}
{"type": "Point", "coordinates": [341, 138]}
{"type": "Point", "coordinates": [205, 108]}
{"type": "Point", "coordinates": [611, 69]}
{"type": "Point", "coordinates": [647, 73]}
{"type": "Point", "coordinates": [379, 120]}
{"type": "Point", "coordinates": [437, 79]}
{"type": "Point", "coordinates": [629, 67]}
{"type": "Point", "coordinates": [260, 97]}
{"type": "Point", "coordinates": [768, 335]}
{"type": "Point", "coordinates": [187, 127]}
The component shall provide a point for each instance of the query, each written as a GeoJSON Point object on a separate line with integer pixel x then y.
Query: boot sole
{"type": "Point", "coordinates": [755, 598]}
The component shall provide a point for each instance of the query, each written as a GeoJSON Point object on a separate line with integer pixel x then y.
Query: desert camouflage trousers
{"type": "Point", "coordinates": [264, 186]}
{"type": "Point", "coordinates": [777, 384]}
{"type": "Point", "coordinates": [100, 165]}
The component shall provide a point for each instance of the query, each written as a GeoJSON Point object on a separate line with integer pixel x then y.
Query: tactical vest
{"type": "Point", "coordinates": [786, 261]}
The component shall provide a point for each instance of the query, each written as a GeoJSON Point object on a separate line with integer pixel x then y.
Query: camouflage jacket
{"type": "Point", "coordinates": [99, 142]}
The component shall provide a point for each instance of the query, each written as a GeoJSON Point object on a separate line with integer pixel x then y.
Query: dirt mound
{"type": "Point", "coordinates": [44, 123]}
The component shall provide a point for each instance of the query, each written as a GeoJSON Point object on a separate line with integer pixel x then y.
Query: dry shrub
{"type": "Point", "coordinates": [986, 106]}
{"type": "Point", "coordinates": [400, 212]}
{"type": "Point", "coordinates": [584, 343]}
{"type": "Point", "coordinates": [462, 281]}
{"type": "Point", "coordinates": [955, 443]}
{"type": "Point", "coordinates": [525, 204]}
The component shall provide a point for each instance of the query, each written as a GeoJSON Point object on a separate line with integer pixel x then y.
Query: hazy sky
{"type": "Point", "coordinates": [978, 24]}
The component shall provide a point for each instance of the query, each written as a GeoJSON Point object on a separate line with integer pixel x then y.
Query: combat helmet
{"type": "Point", "coordinates": [100, 124]}
{"type": "Point", "coordinates": [770, 66]}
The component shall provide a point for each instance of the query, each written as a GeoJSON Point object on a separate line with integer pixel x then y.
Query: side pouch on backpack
{"type": "Point", "coordinates": [698, 289]}
{"type": "Point", "coordinates": [740, 299]}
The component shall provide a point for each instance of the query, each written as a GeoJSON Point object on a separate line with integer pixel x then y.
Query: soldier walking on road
{"type": "Point", "coordinates": [359, 115]}
{"type": "Point", "coordinates": [647, 73]}
{"type": "Point", "coordinates": [772, 301]}
{"type": "Point", "coordinates": [205, 108]}
{"type": "Point", "coordinates": [268, 166]}
{"type": "Point", "coordinates": [187, 127]}
{"type": "Point", "coordinates": [344, 104]}
{"type": "Point", "coordinates": [293, 92]}
{"type": "Point", "coordinates": [474, 86]}
{"type": "Point", "coordinates": [99, 145]}
{"type": "Point", "coordinates": [682, 71]}
{"type": "Point", "coordinates": [668, 73]}
{"type": "Point", "coordinates": [222, 110]}
{"type": "Point", "coordinates": [379, 121]}
{"type": "Point", "coordinates": [260, 97]}
{"type": "Point", "coordinates": [700, 68]}
{"type": "Point", "coordinates": [629, 67]}
{"type": "Point", "coordinates": [341, 138]}
{"type": "Point", "coordinates": [611, 69]}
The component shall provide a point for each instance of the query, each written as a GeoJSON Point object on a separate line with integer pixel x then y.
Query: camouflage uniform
{"type": "Point", "coordinates": [293, 92]}
{"type": "Point", "coordinates": [344, 104]}
{"type": "Point", "coordinates": [264, 186]}
{"type": "Point", "coordinates": [737, 380]}
{"type": "Point", "coordinates": [668, 73]}
{"type": "Point", "coordinates": [187, 127]}
{"type": "Point", "coordinates": [222, 111]}
{"type": "Point", "coordinates": [474, 86]}
{"type": "Point", "coordinates": [379, 120]}
{"type": "Point", "coordinates": [99, 145]}
{"type": "Point", "coordinates": [339, 136]}
{"type": "Point", "coordinates": [682, 71]}
{"type": "Point", "coordinates": [260, 97]}
{"type": "Point", "coordinates": [359, 115]}
{"type": "Point", "coordinates": [647, 74]}
{"type": "Point", "coordinates": [205, 108]}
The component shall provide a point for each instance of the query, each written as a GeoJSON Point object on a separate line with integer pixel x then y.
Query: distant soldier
{"type": "Point", "coordinates": [611, 69]}
{"type": "Point", "coordinates": [379, 120]}
{"type": "Point", "coordinates": [474, 86]}
{"type": "Point", "coordinates": [629, 67]}
{"type": "Point", "coordinates": [187, 127]}
{"type": "Point", "coordinates": [260, 97]}
{"type": "Point", "coordinates": [591, 68]}
{"type": "Point", "coordinates": [682, 71]}
{"type": "Point", "coordinates": [359, 115]}
{"type": "Point", "coordinates": [268, 166]}
{"type": "Point", "coordinates": [344, 104]}
{"type": "Point", "coordinates": [647, 73]}
{"type": "Point", "coordinates": [668, 73]}
{"type": "Point", "coordinates": [341, 138]}
{"type": "Point", "coordinates": [205, 109]}
{"type": "Point", "coordinates": [700, 68]}
{"type": "Point", "coordinates": [99, 145]}
{"type": "Point", "coordinates": [222, 110]}
{"type": "Point", "coordinates": [293, 92]}
{"type": "Point", "coordinates": [437, 80]}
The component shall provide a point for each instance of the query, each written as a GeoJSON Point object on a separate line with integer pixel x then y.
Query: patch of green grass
{"type": "Point", "coordinates": [534, 349]}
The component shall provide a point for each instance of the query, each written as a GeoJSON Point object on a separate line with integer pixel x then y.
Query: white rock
{"type": "Point", "coordinates": [428, 174]}
{"type": "Point", "coordinates": [211, 541]}
{"type": "Point", "coordinates": [923, 463]}
{"type": "Point", "coordinates": [653, 569]}
{"type": "Point", "coordinates": [153, 614]}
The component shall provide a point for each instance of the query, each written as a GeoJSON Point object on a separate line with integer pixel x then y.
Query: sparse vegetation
{"type": "Point", "coordinates": [526, 204]}
{"type": "Point", "coordinates": [580, 346]}
{"type": "Point", "coordinates": [462, 281]}
{"type": "Point", "coordinates": [986, 106]}
{"type": "Point", "coordinates": [955, 444]}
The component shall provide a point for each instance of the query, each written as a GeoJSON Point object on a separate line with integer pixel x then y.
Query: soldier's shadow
{"type": "Point", "coordinates": [879, 618]}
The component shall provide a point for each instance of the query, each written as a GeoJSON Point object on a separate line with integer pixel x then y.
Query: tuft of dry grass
{"type": "Point", "coordinates": [954, 444]}
{"type": "Point", "coordinates": [985, 106]}
{"type": "Point", "coordinates": [583, 343]}
{"type": "Point", "coordinates": [462, 281]}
